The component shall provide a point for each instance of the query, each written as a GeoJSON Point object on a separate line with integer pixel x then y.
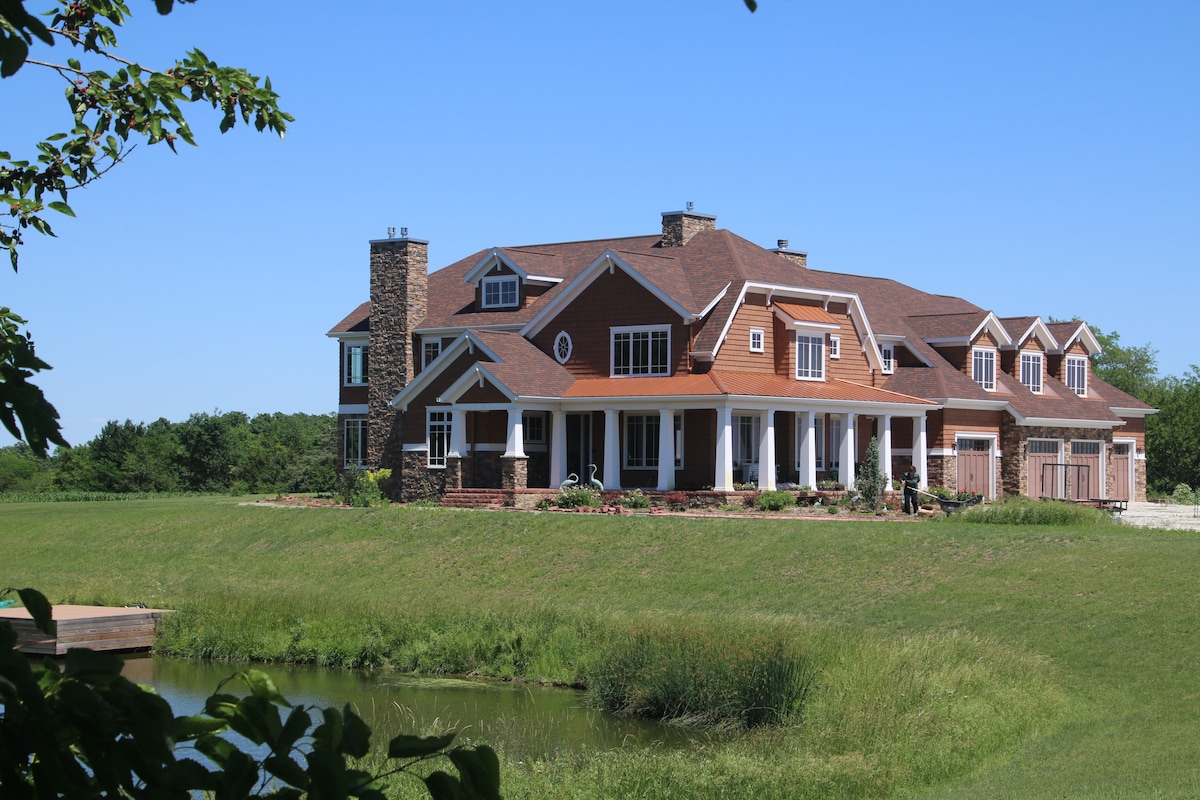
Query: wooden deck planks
{"type": "Point", "coordinates": [95, 627]}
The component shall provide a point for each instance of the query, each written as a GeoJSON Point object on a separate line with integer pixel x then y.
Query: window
{"type": "Point", "coordinates": [533, 427]}
{"type": "Point", "coordinates": [1085, 448]}
{"type": "Point", "coordinates": [438, 427]}
{"type": "Point", "coordinates": [983, 368]}
{"type": "Point", "coordinates": [356, 365]}
{"type": "Point", "coordinates": [819, 433]}
{"type": "Point", "coordinates": [1043, 446]}
{"type": "Point", "coordinates": [1031, 371]}
{"type": "Point", "coordinates": [641, 441]}
{"type": "Point", "coordinates": [501, 292]}
{"type": "Point", "coordinates": [432, 349]}
{"type": "Point", "coordinates": [835, 442]}
{"type": "Point", "coordinates": [810, 357]}
{"type": "Point", "coordinates": [1077, 375]}
{"type": "Point", "coordinates": [641, 352]}
{"type": "Point", "coordinates": [835, 347]}
{"type": "Point", "coordinates": [563, 347]}
{"type": "Point", "coordinates": [749, 429]}
{"type": "Point", "coordinates": [757, 340]}
{"type": "Point", "coordinates": [887, 352]}
{"type": "Point", "coordinates": [354, 443]}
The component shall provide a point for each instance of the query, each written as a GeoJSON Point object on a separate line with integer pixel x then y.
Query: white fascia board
{"type": "Point", "coordinates": [458, 331]}
{"type": "Point", "coordinates": [543, 279]}
{"type": "Point", "coordinates": [992, 323]}
{"type": "Point", "coordinates": [464, 342]}
{"type": "Point", "coordinates": [606, 260]}
{"type": "Point", "coordinates": [488, 262]}
{"type": "Point", "coordinates": [1051, 422]}
{"type": "Point", "coordinates": [353, 336]}
{"type": "Point", "coordinates": [858, 315]}
{"type": "Point", "coordinates": [948, 340]}
{"type": "Point", "coordinates": [966, 404]}
{"type": "Point", "coordinates": [1133, 413]}
{"type": "Point", "coordinates": [476, 375]}
{"type": "Point", "coordinates": [1039, 331]}
{"type": "Point", "coordinates": [1084, 334]}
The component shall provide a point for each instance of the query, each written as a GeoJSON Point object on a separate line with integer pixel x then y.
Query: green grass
{"type": "Point", "coordinates": [948, 659]}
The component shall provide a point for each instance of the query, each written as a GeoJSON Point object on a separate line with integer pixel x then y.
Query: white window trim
{"type": "Point", "coordinates": [989, 385]}
{"type": "Point", "coordinates": [563, 347]}
{"type": "Point", "coordinates": [426, 345]}
{"type": "Point", "coordinates": [500, 280]}
{"type": "Point", "coordinates": [612, 351]}
{"type": "Point", "coordinates": [346, 348]}
{"type": "Point", "coordinates": [887, 356]}
{"type": "Point", "coordinates": [1082, 391]}
{"type": "Point", "coordinates": [761, 347]}
{"type": "Point", "coordinates": [1041, 369]}
{"type": "Point", "coordinates": [533, 433]}
{"type": "Point", "coordinates": [648, 439]}
{"type": "Point", "coordinates": [835, 346]}
{"type": "Point", "coordinates": [811, 339]}
{"type": "Point", "coordinates": [361, 426]}
{"type": "Point", "coordinates": [438, 462]}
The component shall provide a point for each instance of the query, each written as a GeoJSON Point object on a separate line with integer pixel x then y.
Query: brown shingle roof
{"type": "Point", "coordinates": [357, 321]}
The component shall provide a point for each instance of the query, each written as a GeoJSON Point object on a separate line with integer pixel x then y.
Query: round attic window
{"type": "Point", "coordinates": [562, 347]}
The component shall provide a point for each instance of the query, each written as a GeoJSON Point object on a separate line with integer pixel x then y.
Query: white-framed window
{"type": "Point", "coordinates": [887, 353]}
{"type": "Point", "coordinates": [500, 292]}
{"type": "Point", "coordinates": [641, 441]}
{"type": "Point", "coordinates": [563, 347]}
{"type": "Point", "coordinates": [355, 362]}
{"type": "Point", "coordinates": [1077, 371]}
{"type": "Point", "coordinates": [749, 428]}
{"type": "Point", "coordinates": [819, 433]}
{"type": "Point", "coordinates": [835, 346]}
{"type": "Point", "coordinates": [641, 351]}
{"type": "Point", "coordinates": [758, 340]}
{"type": "Point", "coordinates": [533, 428]}
{"type": "Point", "coordinates": [354, 443]}
{"type": "Point", "coordinates": [835, 443]}
{"type": "Point", "coordinates": [810, 357]}
{"type": "Point", "coordinates": [430, 349]}
{"type": "Point", "coordinates": [983, 367]}
{"type": "Point", "coordinates": [437, 426]}
{"type": "Point", "coordinates": [1031, 371]}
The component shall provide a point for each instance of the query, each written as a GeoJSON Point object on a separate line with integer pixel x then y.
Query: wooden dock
{"type": "Point", "coordinates": [95, 627]}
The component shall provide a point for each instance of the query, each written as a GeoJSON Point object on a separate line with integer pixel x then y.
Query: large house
{"type": "Point", "coordinates": [693, 359]}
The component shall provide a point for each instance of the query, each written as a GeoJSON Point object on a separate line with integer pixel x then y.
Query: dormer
{"type": "Point", "coordinates": [501, 284]}
{"type": "Point", "coordinates": [1070, 362]}
{"type": "Point", "coordinates": [816, 332]}
{"type": "Point", "coordinates": [1025, 358]}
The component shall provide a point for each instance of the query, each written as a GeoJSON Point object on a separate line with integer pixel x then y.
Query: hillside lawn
{"type": "Point", "coordinates": [1080, 646]}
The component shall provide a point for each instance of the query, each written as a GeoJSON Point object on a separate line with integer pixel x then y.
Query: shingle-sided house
{"type": "Point", "coordinates": [693, 358]}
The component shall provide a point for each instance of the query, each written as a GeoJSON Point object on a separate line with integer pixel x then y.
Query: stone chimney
{"type": "Point", "coordinates": [679, 226]}
{"type": "Point", "coordinates": [399, 301]}
{"type": "Point", "coordinates": [797, 257]}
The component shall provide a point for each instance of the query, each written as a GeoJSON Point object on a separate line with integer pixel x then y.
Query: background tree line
{"type": "Point", "coordinates": [229, 452]}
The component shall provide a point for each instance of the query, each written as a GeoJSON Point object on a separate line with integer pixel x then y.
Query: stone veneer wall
{"type": "Point", "coordinates": [943, 471]}
{"type": "Point", "coordinates": [1014, 471]}
{"type": "Point", "coordinates": [417, 481]}
{"type": "Point", "coordinates": [515, 473]}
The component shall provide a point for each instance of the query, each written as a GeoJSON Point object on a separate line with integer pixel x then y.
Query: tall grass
{"type": "Point", "coordinates": [1017, 510]}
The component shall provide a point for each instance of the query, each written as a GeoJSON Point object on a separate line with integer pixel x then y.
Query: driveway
{"type": "Point", "coordinates": [1158, 515]}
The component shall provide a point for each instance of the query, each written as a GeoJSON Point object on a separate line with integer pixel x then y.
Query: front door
{"type": "Point", "coordinates": [974, 466]}
{"type": "Point", "coordinates": [579, 446]}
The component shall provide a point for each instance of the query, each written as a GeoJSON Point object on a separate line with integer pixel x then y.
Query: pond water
{"type": "Point", "coordinates": [523, 721]}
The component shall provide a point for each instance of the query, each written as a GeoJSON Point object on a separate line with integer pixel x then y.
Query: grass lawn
{"type": "Point", "coordinates": [1106, 619]}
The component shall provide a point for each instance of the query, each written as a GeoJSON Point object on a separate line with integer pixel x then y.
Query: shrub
{"type": "Point", "coordinates": [363, 488]}
{"type": "Point", "coordinates": [676, 501]}
{"type": "Point", "coordinates": [871, 482]}
{"type": "Point", "coordinates": [635, 499]}
{"type": "Point", "coordinates": [1183, 495]}
{"type": "Point", "coordinates": [774, 500]}
{"type": "Point", "coordinates": [578, 497]}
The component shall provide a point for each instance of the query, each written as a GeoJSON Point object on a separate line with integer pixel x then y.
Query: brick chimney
{"type": "Point", "coordinates": [399, 301]}
{"type": "Point", "coordinates": [679, 226]}
{"type": "Point", "coordinates": [797, 257]}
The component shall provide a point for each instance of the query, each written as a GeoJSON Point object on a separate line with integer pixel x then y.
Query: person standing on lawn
{"type": "Point", "coordinates": [910, 480]}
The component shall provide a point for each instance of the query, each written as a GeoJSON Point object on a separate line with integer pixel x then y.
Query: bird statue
{"type": "Point", "coordinates": [595, 484]}
{"type": "Point", "coordinates": [572, 480]}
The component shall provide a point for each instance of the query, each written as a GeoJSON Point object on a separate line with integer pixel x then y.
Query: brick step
{"type": "Point", "coordinates": [469, 498]}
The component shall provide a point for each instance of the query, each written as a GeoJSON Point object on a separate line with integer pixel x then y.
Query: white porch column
{"type": "Point", "coordinates": [808, 448]}
{"type": "Point", "coordinates": [766, 451]}
{"type": "Point", "coordinates": [666, 449]}
{"type": "Point", "coordinates": [515, 447]}
{"type": "Point", "coordinates": [885, 449]}
{"type": "Point", "coordinates": [846, 469]}
{"type": "Point", "coordinates": [458, 433]}
{"type": "Point", "coordinates": [612, 450]}
{"type": "Point", "coordinates": [921, 450]}
{"type": "Point", "coordinates": [558, 448]}
{"type": "Point", "coordinates": [723, 477]}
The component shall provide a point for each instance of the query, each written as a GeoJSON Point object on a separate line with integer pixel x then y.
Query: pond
{"type": "Point", "coordinates": [523, 721]}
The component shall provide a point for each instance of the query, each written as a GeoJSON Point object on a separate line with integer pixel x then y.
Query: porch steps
{"type": "Point", "coordinates": [470, 498]}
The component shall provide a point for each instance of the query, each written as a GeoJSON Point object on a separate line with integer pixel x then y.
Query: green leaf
{"type": "Point", "coordinates": [480, 770]}
{"type": "Point", "coordinates": [187, 728]}
{"type": "Point", "coordinates": [39, 608]}
{"type": "Point", "coordinates": [443, 786]}
{"type": "Point", "coordinates": [286, 769]}
{"type": "Point", "coordinates": [405, 746]}
{"type": "Point", "coordinates": [60, 207]}
{"type": "Point", "coordinates": [356, 735]}
{"type": "Point", "coordinates": [13, 52]}
{"type": "Point", "coordinates": [261, 685]}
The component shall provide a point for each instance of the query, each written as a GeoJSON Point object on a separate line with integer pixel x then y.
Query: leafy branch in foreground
{"type": "Point", "coordinates": [86, 731]}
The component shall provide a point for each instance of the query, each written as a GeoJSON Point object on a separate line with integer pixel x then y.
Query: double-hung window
{"type": "Point", "coordinates": [1077, 375]}
{"type": "Point", "coordinates": [810, 357]}
{"type": "Point", "coordinates": [354, 443]}
{"type": "Point", "coordinates": [438, 431]}
{"type": "Point", "coordinates": [983, 367]}
{"type": "Point", "coordinates": [430, 349]}
{"type": "Point", "coordinates": [641, 351]}
{"type": "Point", "coordinates": [500, 292]}
{"type": "Point", "coordinates": [887, 353]}
{"type": "Point", "coordinates": [1031, 371]}
{"type": "Point", "coordinates": [355, 373]}
{"type": "Point", "coordinates": [533, 428]}
{"type": "Point", "coordinates": [641, 441]}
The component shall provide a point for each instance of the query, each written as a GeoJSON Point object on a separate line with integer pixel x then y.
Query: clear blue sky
{"type": "Point", "coordinates": [1032, 157]}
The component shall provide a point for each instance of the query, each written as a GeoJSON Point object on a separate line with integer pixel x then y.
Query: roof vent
{"type": "Point", "coordinates": [783, 243]}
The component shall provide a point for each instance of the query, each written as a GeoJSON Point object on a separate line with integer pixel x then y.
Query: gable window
{"type": "Point", "coordinates": [810, 357]}
{"type": "Point", "coordinates": [438, 436]}
{"type": "Point", "coordinates": [563, 347]}
{"type": "Point", "coordinates": [1077, 375]}
{"type": "Point", "coordinates": [641, 441]}
{"type": "Point", "coordinates": [887, 353]}
{"type": "Point", "coordinates": [835, 347]}
{"type": "Point", "coordinates": [1031, 371]}
{"type": "Point", "coordinates": [431, 349]}
{"type": "Point", "coordinates": [500, 292]}
{"type": "Point", "coordinates": [641, 351]}
{"type": "Point", "coordinates": [355, 365]}
{"type": "Point", "coordinates": [983, 367]}
{"type": "Point", "coordinates": [757, 340]}
{"type": "Point", "coordinates": [354, 443]}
